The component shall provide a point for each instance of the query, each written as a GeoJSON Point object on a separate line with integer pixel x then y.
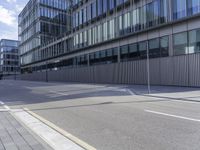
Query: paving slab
{"type": "Point", "coordinates": [14, 136]}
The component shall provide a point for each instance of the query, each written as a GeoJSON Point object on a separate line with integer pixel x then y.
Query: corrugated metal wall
{"type": "Point", "coordinates": [178, 70]}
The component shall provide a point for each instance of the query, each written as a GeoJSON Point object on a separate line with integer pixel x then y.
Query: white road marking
{"type": "Point", "coordinates": [59, 93]}
{"type": "Point", "coordinates": [185, 101]}
{"type": "Point", "coordinates": [179, 99]}
{"type": "Point", "coordinates": [6, 107]}
{"type": "Point", "coordinates": [130, 92]}
{"type": "Point", "coordinates": [56, 140]}
{"type": "Point", "coordinates": [171, 115]}
{"type": "Point", "coordinates": [4, 110]}
{"type": "Point", "coordinates": [2, 103]}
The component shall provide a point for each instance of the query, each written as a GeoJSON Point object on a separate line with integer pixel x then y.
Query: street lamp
{"type": "Point", "coordinates": [148, 70]}
{"type": "Point", "coordinates": [46, 72]}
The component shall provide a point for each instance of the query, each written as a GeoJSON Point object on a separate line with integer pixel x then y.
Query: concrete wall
{"type": "Point", "coordinates": [178, 70]}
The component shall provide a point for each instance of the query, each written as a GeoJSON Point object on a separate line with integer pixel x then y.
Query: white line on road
{"type": "Point", "coordinates": [59, 93]}
{"type": "Point", "coordinates": [4, 110]}
{"type": "Point", "coordinates": [171, 115]}
{"type": "Point", "coordinates": [130, 92]}
{"type": "Point", "coordinates": [2, 103]}
{"type": "Point", "coordinates": [6, 107]}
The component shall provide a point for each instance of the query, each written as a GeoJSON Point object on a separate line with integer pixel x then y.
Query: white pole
{"type": "Point", "coordinates": [148, 71]}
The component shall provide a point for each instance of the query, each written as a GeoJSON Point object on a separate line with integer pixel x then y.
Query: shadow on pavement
{"type": "Point", "coordinates": [25, 92]}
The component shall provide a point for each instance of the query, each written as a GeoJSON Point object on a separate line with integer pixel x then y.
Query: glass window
{"type": "Point", "coordinates": [94, 10]}
{"type": "Point", "coordinates": [81, 17]}
{"type": "Point", "coordinates": [150, 15]}
{"type": "Point", "coordinates": [89, 15]}
{"type": "Point", "coordinates": [193, 7]}
{"type": "Point", "coordinates": [109, 52]}
{"type": "Point", "coordinates": [164, 9]}
{"type": "Point", "coordinates": [77, 19]}
{"type": "Point", "coordinates": [135, 19]}
{"type": "Point", "coordinates": [111, 29]}
{"type": "Point", "coordinates": [84, 15]}
{"type": "Point", "coordinates": [179, 9]}
{"type": "Point", "coordinates": [153, 13]}
{"type": "Point", "coordinates": [105, 6]}
{"type": "Point", "coordinates": [99, 6]}
{"type": "Point", "coordinates": [103, 54]}
{"type": "Point", "coordinates": [115, 54]}
{"type": "Point", "coordinates": [105, 31]}
{"type": "Point", "coordinates": [91, 58]}
{"type": "Point", "coordinates": [180, 43]}
{"type": "Point", "coordinates": [156, 13]}
{"type": "Point", "coordinates": [194, 41]}
{"type": "Point", "coordinates": [97, 55]}
{"type": "Point", "coordinates": [99, 28]}
{"type": "Point", "coordinates": [89, 37]}
{"type": "Point", "coordinates": [85, 38]}
{"type": "Point", "coordinates": [124, 52]}
{"type": "Point", "coordinates": [94, 35]}
{"type": "Point", "coordinates": [119, 2]}
{"type": "Point", "coordinates": [142, 47]}
{"type": "Point", "coordinates": [111, 4]}
{"type": "Point", "coordinates": [77, 40]}
{"type": "Point", "coordinates": [154, 48]}
{"type": "Point", "coordinates": [164, 46]}
{"type": "Point", "coordinates": [133, 51]}
{"type": "Point", "coordinates": [81, 39]}
{"type": "Point", "coordinates": [142, 17]}
{"type": "Point", "coordinates": [127, 23]}
{"type": "Point", "coordinates": [120, 24]}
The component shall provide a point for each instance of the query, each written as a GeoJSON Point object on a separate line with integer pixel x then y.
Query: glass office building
{"type": "Point", "coordinates": [112, 32]}
{"type": "Point", "coordinates": [9, 57]}
{"type": "Point", "coordinates": [39, 22]}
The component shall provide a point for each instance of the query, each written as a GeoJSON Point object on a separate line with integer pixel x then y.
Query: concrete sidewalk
{"type": "Point", "coordinates": [14, 136]}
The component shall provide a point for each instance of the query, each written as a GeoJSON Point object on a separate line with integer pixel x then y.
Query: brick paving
{"type": "Point", "coordinates": [13, 136]}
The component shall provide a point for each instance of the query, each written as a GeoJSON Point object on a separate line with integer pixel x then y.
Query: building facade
{"type": "Point", "coordinates": [9, 60]}
{"type": "Point", "coordinates": [39, 22]}
{"type": "Point", "coordinates": [123, 32]}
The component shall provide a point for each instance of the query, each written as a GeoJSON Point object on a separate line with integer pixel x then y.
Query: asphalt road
{"type": "Point", "coordinates": [114, 117]}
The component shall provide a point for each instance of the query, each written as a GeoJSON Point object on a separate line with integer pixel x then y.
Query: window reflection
{"type": "Point", "coordinates": [194, 41]}
{"type": "Point", "coordinates": [179, 9]}
{"type": "Point", "coordinates": [180, 43]}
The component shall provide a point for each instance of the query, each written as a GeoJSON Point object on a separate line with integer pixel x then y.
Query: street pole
{"type": "Point", "coordinates": [46, 73]}
{"type": "Point", "coordinates": [148, 71]}
{"type": "Point", "coordinates": [15, 73]}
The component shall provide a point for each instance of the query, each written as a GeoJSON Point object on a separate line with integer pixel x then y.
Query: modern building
{"type": "Point", "coordinates": [39, 22]}
{"type": "Point", "coordinates": [9, 58]}
{"type": "Point", "coordinates": [112, 41]}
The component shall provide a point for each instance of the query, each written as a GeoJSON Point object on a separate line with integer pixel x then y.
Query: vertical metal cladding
{"type": "Point", "coordinates": [177, 71]}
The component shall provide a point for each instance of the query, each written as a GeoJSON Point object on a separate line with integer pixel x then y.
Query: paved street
{"type": "Point", "coordinates": [113, 117]}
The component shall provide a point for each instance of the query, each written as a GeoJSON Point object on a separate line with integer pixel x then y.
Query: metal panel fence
{"type": "Point", "coordinates": [178, 70]}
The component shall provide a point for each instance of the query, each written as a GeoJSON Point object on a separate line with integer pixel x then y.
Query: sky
{"type": "Point", "coordinates": [9, 11]}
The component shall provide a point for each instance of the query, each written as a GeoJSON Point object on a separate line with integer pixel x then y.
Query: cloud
{"type": "Point", "coordinates": [9, 34]}
{"type": "Point", "coordinates": [9, 11]}
{"type": "Point", "coordinates": [11, 1]}
{"type": "Point", "coordinates": [7, 16]}
{"type": "Point", "coordinates": [19, 8]}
